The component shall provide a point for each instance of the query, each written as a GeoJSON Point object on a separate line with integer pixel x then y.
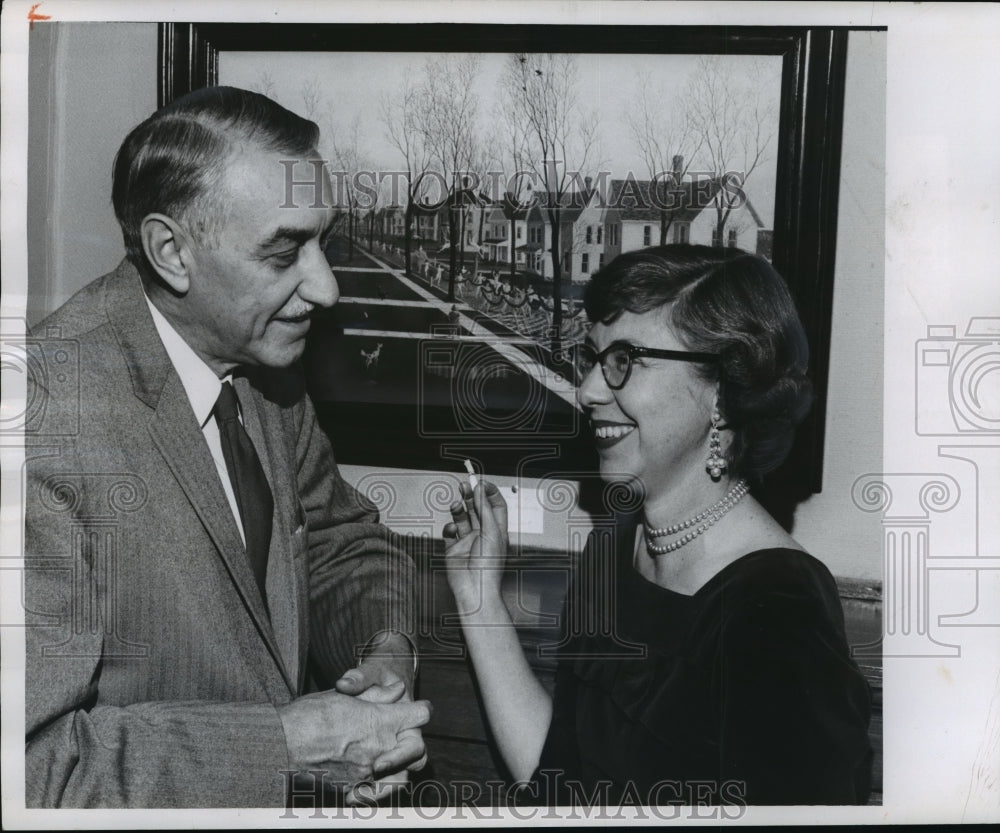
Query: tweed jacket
{"type": "Point", "coordinates": [153, 669]}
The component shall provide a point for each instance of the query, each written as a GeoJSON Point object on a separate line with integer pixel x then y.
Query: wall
{"type": "Point", "coordinates": [77, 239]}
{"type": "Point", "coordinates": [90, 84]}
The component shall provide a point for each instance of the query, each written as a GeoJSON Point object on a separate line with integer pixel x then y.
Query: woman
{"type": "Point", "coordinates": [707, 661]}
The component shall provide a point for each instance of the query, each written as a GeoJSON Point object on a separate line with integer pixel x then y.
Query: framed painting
{"type": "Point", "coordinates": [461, 254]}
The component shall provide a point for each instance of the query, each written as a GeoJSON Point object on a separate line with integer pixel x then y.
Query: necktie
{"type": "Point", "coordinates": [253, 495]}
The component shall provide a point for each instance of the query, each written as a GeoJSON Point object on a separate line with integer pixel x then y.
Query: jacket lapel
{"type": "Point", "coordinates": [177, 435]}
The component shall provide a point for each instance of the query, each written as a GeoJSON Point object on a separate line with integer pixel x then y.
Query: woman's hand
{"type": "Point", "coordinates": [518, 707]}
{"type": "Point", "coordinates": [476, 546]}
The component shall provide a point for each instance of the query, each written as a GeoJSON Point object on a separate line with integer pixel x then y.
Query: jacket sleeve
{"type": "Point", "coordinates": [794, 708]}
{"type": "Point", "coordinates": [361, 581]}
{"type": "Point", "coordinates": [149, 754]}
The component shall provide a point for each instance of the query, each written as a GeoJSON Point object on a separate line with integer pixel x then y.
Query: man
{"type": "Point", "coordinates": [195, 564]}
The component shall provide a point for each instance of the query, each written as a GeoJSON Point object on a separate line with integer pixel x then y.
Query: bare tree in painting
{"type": "Point", "coordinates": [475, 211]}
{"type": "Point", "coordinates": [735, 127]}
{"type": "Point", "coordinates": [313, 101]}
{"type": "Point", "coordinates": [450, 126]}
{"type": "Point", "coordinates": [349, 166]}
{"type": "Point", "coordinates": [316, 106]}
{"type": "Point", "coordinates": [508, 151]}
{"type": "Point", "coordinates": [264, 84]}
{"type": "Point", "coordinates": [666, 136]}
{"type": "Point", "coordinates": [469, 206]}
{"type": "Point", "coordinates": [402, 116]}
{"type": "Point", "coordinates": [542, 90]}
{"type": "Point", "coordinates": [381, 198]}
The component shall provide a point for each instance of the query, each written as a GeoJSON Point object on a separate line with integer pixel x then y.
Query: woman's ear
{"type": "Point", "coordinates": [718, 400]}
{"type": "Point", "coordinates": [167, 250]}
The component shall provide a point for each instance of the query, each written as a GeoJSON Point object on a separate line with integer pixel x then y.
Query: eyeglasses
{"type": "Point", "coordinates": [616, 360]}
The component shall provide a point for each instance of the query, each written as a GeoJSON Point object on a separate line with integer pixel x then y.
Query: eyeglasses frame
{"type": "Point", "coordinates": [634, 351]}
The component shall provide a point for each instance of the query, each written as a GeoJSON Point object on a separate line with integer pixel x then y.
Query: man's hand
{"type": "Point", "coordinates": [385, 675]}
{"type": "Point", "coordinates": [388, 662]}
{"type": "Point", "coordinates": [353, 738]}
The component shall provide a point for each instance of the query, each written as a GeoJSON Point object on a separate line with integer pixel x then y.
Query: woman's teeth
{"type": "Point", "coordinates": [613, 432]}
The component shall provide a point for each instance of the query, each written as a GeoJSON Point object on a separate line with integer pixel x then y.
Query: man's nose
{"type": "Point", "coordinates": [319, 286]}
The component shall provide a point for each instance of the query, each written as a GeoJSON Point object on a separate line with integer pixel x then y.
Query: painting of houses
{"type": "Point", "coordinates": [491, 117]}
{"type": "Point", "coordinates": [639, 216]}
{"type": "Point", "coordinates": [630, 214]}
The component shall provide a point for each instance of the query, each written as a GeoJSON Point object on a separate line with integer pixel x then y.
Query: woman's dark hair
{"type": "Point", "coordinates": [724, 301]}
{"type": "Point", "coordinates": [173, 162]}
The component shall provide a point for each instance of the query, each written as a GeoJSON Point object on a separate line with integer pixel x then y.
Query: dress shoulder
{"type": "Point", "coordinates": [781, 587]}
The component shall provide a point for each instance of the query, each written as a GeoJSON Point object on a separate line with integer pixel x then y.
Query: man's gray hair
{"type": "Point", "coordinates": [174, 161]}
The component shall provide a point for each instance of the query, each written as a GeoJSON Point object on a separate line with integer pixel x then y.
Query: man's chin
{"type": "Point", "coordinates": [279, 357]}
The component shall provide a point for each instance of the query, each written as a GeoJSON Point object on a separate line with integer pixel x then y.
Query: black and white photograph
{"type": "Point", "coordinates": [543, 413]}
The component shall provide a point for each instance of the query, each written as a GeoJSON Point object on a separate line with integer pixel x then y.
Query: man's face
{"type": "Point", "coordinates": [254, 286]}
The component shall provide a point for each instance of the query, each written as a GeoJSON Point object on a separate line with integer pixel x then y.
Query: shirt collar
{"type": "Point", "coordinates": [200, 383]}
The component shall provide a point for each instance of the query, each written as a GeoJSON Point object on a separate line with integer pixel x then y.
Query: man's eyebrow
{"type": "Point", "coordinates": [285, 234]}
{"type": "Point", "coordinates": [292, 234]}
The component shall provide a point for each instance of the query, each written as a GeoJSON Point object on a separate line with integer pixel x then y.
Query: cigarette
{"type": "Point", "coordinates": [473, 480]}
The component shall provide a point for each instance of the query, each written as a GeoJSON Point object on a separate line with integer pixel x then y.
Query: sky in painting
{"type": "Point", "coordinates": [351, 85]}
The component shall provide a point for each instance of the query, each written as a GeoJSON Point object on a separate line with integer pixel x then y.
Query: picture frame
{"type": "Point", "coordinates": [805, 215]}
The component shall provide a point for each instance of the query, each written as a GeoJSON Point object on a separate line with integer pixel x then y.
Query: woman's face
{"type": "Point", "coordinates": [655, 428]}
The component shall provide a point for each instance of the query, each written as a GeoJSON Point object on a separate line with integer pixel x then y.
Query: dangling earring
{"type": "Point", "coordinates": [716, 463]}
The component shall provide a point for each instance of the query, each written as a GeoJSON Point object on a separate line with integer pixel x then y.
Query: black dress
{"type": "Point", "coordinates": [744, 692]}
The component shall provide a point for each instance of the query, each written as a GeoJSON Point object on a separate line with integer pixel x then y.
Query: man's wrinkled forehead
{"type": "Point", "coordinates": [280, 179]}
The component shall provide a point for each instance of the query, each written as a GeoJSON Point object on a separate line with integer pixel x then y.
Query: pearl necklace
{"type": "Point", "coordinates": [706, 519]}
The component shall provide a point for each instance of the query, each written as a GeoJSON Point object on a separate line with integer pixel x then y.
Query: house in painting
{"type": "Point", "coordinates": [578, 214]}
{"type": "Point", "coordinates": [642, 213]}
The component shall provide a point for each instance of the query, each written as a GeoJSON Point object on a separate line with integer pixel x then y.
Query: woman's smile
{"type": "Point", "coordinates": [607, 434]}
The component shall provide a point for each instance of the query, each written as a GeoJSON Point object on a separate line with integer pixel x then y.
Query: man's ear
{"type": "Point", "coordinates": [167, 248]}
